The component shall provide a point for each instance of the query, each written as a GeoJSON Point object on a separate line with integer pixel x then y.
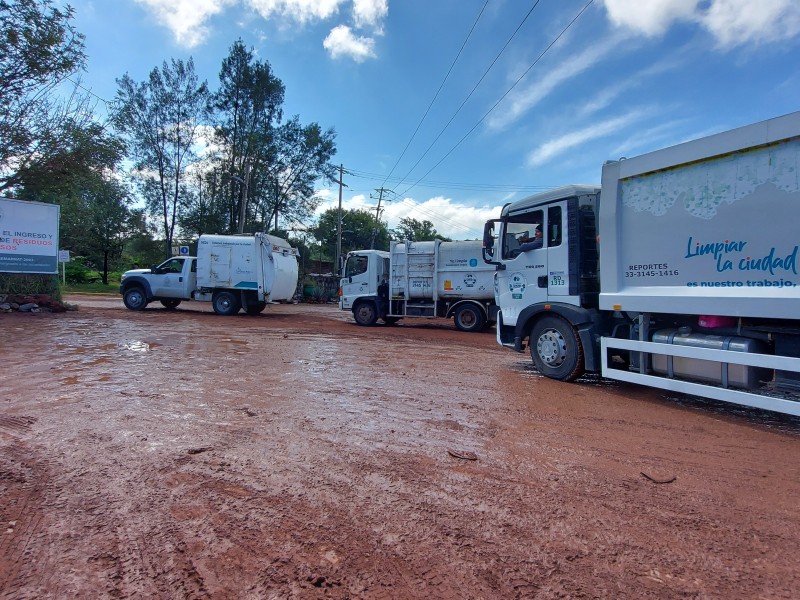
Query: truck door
{"type": "Point", "coordinates": [557, 242]}
{"type": "Point", "coordinates": [357, 281]}
{"type": "Point", "coordinates": [524, 253]}
{"type": "Point", "coordinates": [169, 280]}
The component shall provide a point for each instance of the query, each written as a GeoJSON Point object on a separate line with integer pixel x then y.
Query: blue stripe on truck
{"type": "Point", "coordinates": [248, 285]}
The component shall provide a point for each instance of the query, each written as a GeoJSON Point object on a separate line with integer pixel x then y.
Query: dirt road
{"type": "Point", "coordinates": [296, 455]}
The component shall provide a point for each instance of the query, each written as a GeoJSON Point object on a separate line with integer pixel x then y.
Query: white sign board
{"type": "Point", "coordinates": [28, 237]}
{"type": "Point", "coordinates": [63, 256]}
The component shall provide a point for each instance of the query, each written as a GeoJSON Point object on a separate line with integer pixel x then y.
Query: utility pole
{"type": "Point", "coordinates": [243, 203]}
{"type": "Point", "coordinates": [339, 225]}
{"type": "Point", "coordinates": [377, 217]}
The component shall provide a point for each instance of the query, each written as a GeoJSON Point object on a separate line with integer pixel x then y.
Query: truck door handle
{"type": "Point", "coordinates": [542, 281]}
{"type": "Point", "coordinates": [180, 279]}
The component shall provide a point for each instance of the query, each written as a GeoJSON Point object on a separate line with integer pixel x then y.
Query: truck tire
{"type": "Point", "coordinates": [135, 298]}
{"type": "Point", "coordinates": [556, 349]}
{"type": "Point", "coordinates": [469, 318]}
{"type": "Point", "coordinates": [253, 308]}
{"type": "Point", "coordinates": [225, 303]}
{"type": "Point", "coordinates": [365, 313]}
{"type": "Point", "coordinates": [170, 303]}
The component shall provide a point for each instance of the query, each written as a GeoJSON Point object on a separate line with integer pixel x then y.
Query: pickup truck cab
{"type": "Point", "coordinates": [170, 282]}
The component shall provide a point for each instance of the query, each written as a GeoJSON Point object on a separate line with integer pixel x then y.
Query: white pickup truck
{"type": "Point", "coordinates": [232, 272]}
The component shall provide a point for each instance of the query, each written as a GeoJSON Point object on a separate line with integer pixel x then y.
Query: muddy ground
{"type": "Point", "coordinates": [296, 455]}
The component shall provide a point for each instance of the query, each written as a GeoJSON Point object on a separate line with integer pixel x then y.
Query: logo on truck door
{"type": "Point", "coordinates": [517, 285]}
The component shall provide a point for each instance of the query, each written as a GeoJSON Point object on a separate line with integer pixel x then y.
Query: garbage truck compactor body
{"type": "Point", "coordinates": [420, 279]}
{"type": "Point", "coordinates": [681, 274]}
{"type": "Point", "coordinates": [232, 272]}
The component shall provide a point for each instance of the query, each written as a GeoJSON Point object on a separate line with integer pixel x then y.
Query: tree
{"type": "Point", "coordinates": [39, 49]}
{"type": "Point", "coordinates": [161, 118]}
{"type": "Point", "coordinates": [276, 163]}
{"type": "Point", "coordinates": [95, 223]}
{"type": "Point", "coordinates": [357, 229]}
{"type": "Point", "coordinates": [416, 231]}
{"type": "Point", "coordinates": [249, 103]}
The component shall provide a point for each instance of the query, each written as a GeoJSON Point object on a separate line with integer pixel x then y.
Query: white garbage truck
{"type": "Point", "coordinates": [679, 272]}
{"type": "Point", "coordinates": [232, 272]}
{"type": "Point", "coordinates": [420, 279]}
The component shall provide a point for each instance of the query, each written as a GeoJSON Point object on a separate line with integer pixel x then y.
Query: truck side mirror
{"type": "Point", "coordinates": [488, 242]}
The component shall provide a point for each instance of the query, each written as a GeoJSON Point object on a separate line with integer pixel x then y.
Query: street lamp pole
{"type": "Point", "coordinates": [339, 225]}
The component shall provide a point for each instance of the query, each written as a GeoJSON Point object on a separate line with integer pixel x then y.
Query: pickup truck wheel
{"type": "Point", "coordinates": [469, 318]}
{"type": "Point", "coordinates": [225, 303]}
{"type": "Point", "coordinates": [170, 303]}
{"type": "Point", "coordinates": [254, 308]}
{"type": "Point", "coordinates": [134, 298]}
{"type": "Point", "coordinates": [365, 313]}
{"type": "Point", "coordinates": [556, 349]}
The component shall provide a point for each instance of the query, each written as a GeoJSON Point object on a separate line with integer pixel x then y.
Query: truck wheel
{"type": "Point", "coordinates": [556, 349]}
{"type": "Point", "coordinates": [225, 303]}
{"type": "Point", "coordinates": [253, 308]}
{"type": "Point", "coordinates": [469, 318]}
{"type": "Point", "coordinates": [170, 303]}
{"type": "Point", "coordinates": [134, 298]}
{"type": "Point", "coordinates": [365, 314]}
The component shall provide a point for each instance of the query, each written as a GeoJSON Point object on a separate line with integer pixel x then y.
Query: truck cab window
{"type": "Point", "coordinates": [356, 265]}
{"type": "Point", "coordinates": [523, 233]}
{"type": "Point", "coordinates": [554, 226]}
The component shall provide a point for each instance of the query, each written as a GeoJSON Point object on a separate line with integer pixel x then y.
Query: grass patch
{"type": "Point", "coordinates": [91, 288]}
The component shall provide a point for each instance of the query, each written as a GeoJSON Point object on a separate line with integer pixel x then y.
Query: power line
{"type": "Point", "coordinates": [458, 110]}
{"type": "Point", "coordinates": [508, 91]}
{"type": "Point", "coordinates": [436, 95]}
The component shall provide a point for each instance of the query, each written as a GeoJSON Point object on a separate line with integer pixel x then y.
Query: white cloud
{"type": "Point", "coordinates": [651, 17]}
{"type": "Point", "coordinates": [450, 219]}
{"type": "Point", "coordinates": [738, 22]}
{"type": "Point", "coordinates": [370, 13]}
{"type": "Point", "coordinates": [302, 11]}
{"type": "Point", "coordinates": [522, 101]}
{"type": "Point", "coordinates": [731, 22]}
{"type": "Point", "coordinates": [186, 18]}
{"type": "Point", "coordinates": [559, 145]}
{"type": "Point", "coordinates": [341, 41]}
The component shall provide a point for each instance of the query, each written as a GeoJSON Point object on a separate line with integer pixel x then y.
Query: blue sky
{"type": "Point", "coordinates": [528, 111]}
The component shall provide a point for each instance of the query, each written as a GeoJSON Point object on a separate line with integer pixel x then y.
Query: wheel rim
{"type": "Point", "coordinates": [467, 318]}
{"type": "Point", "coordinates": [135, 299]}
{"type": "Point", "coordinates": [552, 348]}
{"type": "Point", "coordinates": [365, 313]}
{"type": "Point", "coordinates": [224, 303]}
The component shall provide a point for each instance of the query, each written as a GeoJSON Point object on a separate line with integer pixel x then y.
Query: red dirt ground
{"type": "Point", "coordinates": [178, 454]}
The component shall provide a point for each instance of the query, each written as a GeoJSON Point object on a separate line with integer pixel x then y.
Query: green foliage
{"type": "Point", "coordinates": [39, 48]}
{"type": "Point", "coordinates": [161, 119]}
{"type": "Point", "coordinates": [416, 231]}
{"type": "Point", "coordinates": [359, 231]}
{"type": "Point", "coordinates": [80, 270]}
{"type": "Point", "coordinates": [17, 283]}
{"type": "Point", "coordinates": [268, 166]}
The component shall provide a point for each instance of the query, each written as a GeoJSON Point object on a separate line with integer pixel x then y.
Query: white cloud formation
{"type": "Point", "coordinates": [186, 18]}
{"type": "Point", "coordinates": [370, 13]}
{"type": "Point", "coordinates": [341, 41]}
{"type": "Point", "coordinates": [522, 101]}
{"type": "Point", "coordinates": [554, 147]}
{"type": "Point", "coordinates": [450, 219]}
{"type": "Point", "coordinates": [738, 22]}
{"type": "Point", "coordinates": [731, 22]}
{"type": "Point", "coordinates": [302, 11]}
{"type": "Point", "coordinates": [651, 17]}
